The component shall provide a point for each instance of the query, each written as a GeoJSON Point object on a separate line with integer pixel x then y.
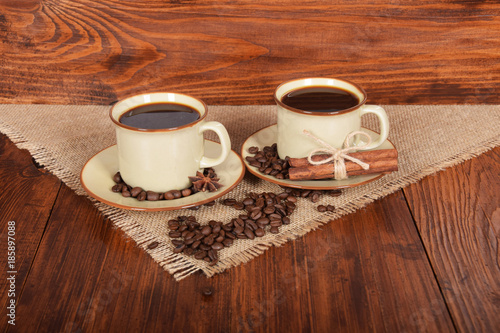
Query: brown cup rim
{"type": "Point", "coordinates": [149, 130]}
{"type": "Point", "coordinates": [312, 113]}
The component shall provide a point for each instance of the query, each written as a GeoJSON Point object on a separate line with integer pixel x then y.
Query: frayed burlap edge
{"type": "Point", "coordinates": [178, 266]}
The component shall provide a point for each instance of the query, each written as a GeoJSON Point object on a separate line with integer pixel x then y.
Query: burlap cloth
{"type": "Point", "coordinates": [428, 139]}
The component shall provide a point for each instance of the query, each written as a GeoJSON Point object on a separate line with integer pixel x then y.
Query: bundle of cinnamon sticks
{"type": "Point", "coordinates": [380, 161]}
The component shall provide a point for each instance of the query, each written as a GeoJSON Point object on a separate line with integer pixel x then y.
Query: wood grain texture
{"type": "Point", "coordinates": [237, 52]}
{"type": "Point", "coordinates": [27, 196]}
{"type": "Point", "coordinates": [457, 212]}
{"type": "Point", "coordinates": [365, 272]}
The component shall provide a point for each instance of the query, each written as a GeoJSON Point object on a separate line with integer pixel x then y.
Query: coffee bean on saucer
{"type": "Point", "coordinates": [142, 196]}
{"type": "Point", "coordinates": [152, 196]}
{"type": "Point", "coordinates": [253, 150]}
{"type": "Point", "coordinates": [135, 191]}
{"type": "Point", "coordinates": [117, 178]}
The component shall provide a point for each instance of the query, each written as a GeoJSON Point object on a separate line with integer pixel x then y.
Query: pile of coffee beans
{"type": "Point", "coordinates": [268, 162]}
{"type": "Point", "coordinates": [141, 194]}
{"type": "Point", "coordinates": [261, 213]}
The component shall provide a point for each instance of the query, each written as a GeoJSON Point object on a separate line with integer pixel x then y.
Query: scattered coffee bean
{"type": "Point", "coordinates": [321, 208]}
{"type": "Point", "coordinates": [153, 245]}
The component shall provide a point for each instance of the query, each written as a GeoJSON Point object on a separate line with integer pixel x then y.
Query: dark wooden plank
{"type": "Point", "coordinates": [26, 198]}
{"type": "Point", "coordinates": [458, 216]}
{"type": "Point", "coordinates": [366, 271]}
{"type": "Point", "coordinates": [80, 52]}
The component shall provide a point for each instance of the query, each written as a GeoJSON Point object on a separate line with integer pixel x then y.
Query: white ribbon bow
{"type": "Point", "coordinates": [339, 155]}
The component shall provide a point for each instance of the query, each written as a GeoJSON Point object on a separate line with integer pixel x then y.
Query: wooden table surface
{"type": "Point", "coordinates": [424, 259]}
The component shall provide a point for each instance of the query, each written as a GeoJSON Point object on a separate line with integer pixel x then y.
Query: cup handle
{"type": "Point", "coordinates": [383, 120]}
{"type": "Point", "coordinates": [225, 142]}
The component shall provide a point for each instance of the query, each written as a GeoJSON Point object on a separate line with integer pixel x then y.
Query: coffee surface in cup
{"type": "Point", "coordinates": [320, 99]}
{"type": "Point", "coordinates": [159, 116]}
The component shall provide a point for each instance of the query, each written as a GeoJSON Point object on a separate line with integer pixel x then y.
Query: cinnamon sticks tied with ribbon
{"type": "Point", "coordinates": [380, 161]}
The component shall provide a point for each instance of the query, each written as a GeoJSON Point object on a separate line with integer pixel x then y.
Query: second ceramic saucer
{"type": "Point", "coordinates": [97, 179]}
{"type": "Point", "coordinates": [268, 135]}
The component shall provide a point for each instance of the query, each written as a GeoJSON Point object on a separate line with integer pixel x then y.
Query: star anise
{"type": "Point", "coordinates": [203, 182]}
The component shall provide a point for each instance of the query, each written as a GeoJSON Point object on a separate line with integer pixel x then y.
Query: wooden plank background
{"type": "Point", "coordinates": [236, 52]}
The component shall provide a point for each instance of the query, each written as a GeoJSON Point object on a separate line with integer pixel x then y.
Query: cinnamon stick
{"type": "Point", "coordinates": [365, 156]}
{"type": "Point", "coordinates": [381, 161]}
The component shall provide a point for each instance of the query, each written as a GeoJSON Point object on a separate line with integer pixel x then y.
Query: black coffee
{"type": "Point", "coordinates": [320, 99]}
{"type": "Point", "coordinates": [159, 116]}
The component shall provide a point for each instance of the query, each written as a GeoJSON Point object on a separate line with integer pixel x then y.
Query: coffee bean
{"type": "Point", "coordinates": [251, 224]}
{"type": "Point", "coordinates": [126, 193]}
{"type": "Point", "coordinates": [177, 194]}
{"type": "Point", "coordinates": [321, 208]}
{"type": "Point", "coordinates": [217, 246]}
{"type": "Point", "coordinates": [117, 178]}
{"type": "Point", "coordinates": [239, 206]}
{"type": "Point", "coordinates": [238, 230]}
{"type": "Point", "coordinates": [135, 191]}
{"type": "Point", "coordinates": [285, 220]}
{"type": "Point", "coordinates": [205, 247]}
{"type": "Point", "coordinates": [117, 188]}
{"type": "Point", "coordinates": [152, 196]}
{"type": "Point", "coordinates": [259, 232]}
{"type": "Point", "coordinates": [263, 220]}
{"type": "Point", "coordinates": [229, 202]}
{"type": "Point", "coordinates": [210, 204]}
{"type": "Point", "coordinates": [230, 235]}
{"type": "Point", "coordinates": [268, 210]}
{"type": "Point", "coordinates": [248, 201]}
{"type": "Point", "coordinates": [276, 223]}
{"type": "Point", "coordinates": [207, 230]}
{"type": "Point", "coordinates": [216, 229]}
{"type": "Point", "coordinates": [330, 208]}
{"type": "Point", "coordinates": [196, 244]}
{"type": "Point", "coordinates": [255, 214]}
{"type": "Point", "coordinates": [249, 233]}
{"type": "Point", "coordinates": [198, 236]}
{"type": "Point", "coordinates": [174, 234]}
{"type": "Point", "coordinates": [212, 254]}
{"type": "Point", "coordinates": [227, 242]}
{"type": "Point", "coordinates": [200, 254]}
{"type": "Point", "coordinates": [180, 248]}
{"type": "Point", "coordinates": [153, 245]}
{"type": "Point", "coordinates": [291, 199]}
{"type": "Point", "coordinates": [253, 150]}
{"type": "Point", "coordinates": [219, 239]}
{"type": "Point", "coordinates": [186, 192]}
{"type": "Point", "coordinates": [177, 242]}
{"type": "Point", "coordinates": [274, 230]}
{"type": "Point", "coordinates": [168, 195]}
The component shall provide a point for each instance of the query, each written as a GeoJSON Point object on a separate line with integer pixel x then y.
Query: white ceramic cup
{"type": "Point", "coordinates": [331, 127]}
{"type": "Point", "coordinates": [161, 160]}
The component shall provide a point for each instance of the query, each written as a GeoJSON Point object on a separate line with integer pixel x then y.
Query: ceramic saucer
{"type": "Point", "coordinates": [97, 179]}
{"type": "Point", "coordinates": [268, 135]}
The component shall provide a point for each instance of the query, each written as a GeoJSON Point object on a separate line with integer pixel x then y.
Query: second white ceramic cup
{"type": "Point", "coordinates": [331, 127]}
